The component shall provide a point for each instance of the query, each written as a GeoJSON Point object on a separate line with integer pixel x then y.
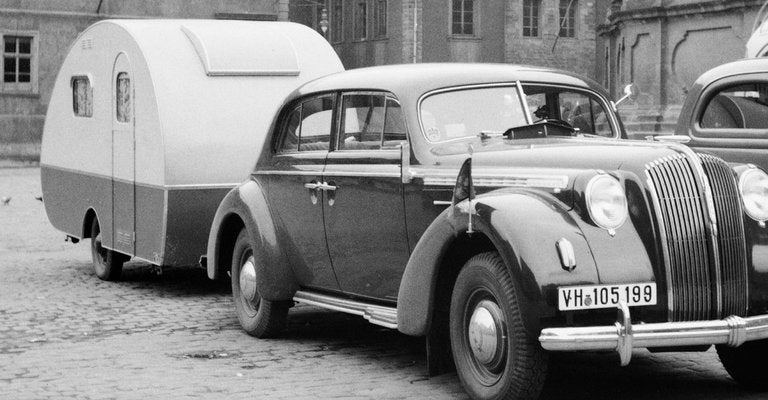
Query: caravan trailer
{"type": "Point", "coordinates": [152, 122]}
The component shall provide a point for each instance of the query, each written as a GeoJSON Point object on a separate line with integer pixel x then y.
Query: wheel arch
{"type": "Point", "coordinates": [88, 219]}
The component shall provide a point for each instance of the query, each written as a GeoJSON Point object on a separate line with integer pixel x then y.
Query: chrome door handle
{"type": "Point", "coordinates": [325, 186]}
{"type": "Point", "coordinates": [312, 185]}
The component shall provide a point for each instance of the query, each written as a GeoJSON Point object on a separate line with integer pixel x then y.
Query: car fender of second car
{"type": "Point", "coordinates": [246, 207]}
{"type": "Point", "coordinates": [524, 226]}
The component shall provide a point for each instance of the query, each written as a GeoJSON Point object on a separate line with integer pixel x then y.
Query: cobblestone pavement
{"type": "Point", "coordinates": [64, 334]}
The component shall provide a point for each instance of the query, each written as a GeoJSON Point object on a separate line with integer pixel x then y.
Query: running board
{"type": "Point", "coordinates": [375, 314]}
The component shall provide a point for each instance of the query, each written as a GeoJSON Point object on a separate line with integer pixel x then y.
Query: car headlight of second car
{"type": "Point", "coordinates": [753, 185]}
{"type": "Point", "coordinates": [606, 202]}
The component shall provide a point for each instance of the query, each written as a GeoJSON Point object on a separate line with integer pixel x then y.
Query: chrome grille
{"type": "Point", "coordinates": [732, 249]}
{"type": "Point", "coordinates": [705, 268]}
{"type": "Point", "coordinates": [682, 224]}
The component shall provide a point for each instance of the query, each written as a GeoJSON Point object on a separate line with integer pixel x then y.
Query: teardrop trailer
{"type": "Point", "coordinates": [152, 122]}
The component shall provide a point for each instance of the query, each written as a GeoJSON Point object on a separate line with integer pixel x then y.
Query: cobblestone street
{"type": "Point", "coordinates": [64, 334]}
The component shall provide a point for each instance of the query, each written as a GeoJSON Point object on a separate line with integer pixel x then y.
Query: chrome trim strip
{"type": "Point", "coordinates": [732, 331]}
{"type": "Point", "coordinates": [480, 179]}
{"type": "Point", "coordinates": [334, 173]}
{"type": "Point", "coordinates": [711, 219]}
{"type": "Point", "coordinates": [375, 314]}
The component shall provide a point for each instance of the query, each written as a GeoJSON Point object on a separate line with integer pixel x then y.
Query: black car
{"type": "Point", "coordinates": [495, 210]}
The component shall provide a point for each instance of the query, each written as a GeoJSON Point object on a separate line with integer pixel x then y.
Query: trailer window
{"type": "Point", "coordinates": [123, 95]}
{"type": "Point", "coordinates": [82, 96]}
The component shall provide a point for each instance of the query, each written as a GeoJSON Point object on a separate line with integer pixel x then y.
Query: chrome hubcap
{"type": "Point", "coordinates": [487, 334]}
{"type": "Point", "coordinates": [248, 280]}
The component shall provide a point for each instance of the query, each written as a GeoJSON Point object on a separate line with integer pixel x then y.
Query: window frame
{"type": "Point", "coordinates": [708, 94]}
{"type": "Point", "coordinates": [473, 23]}
{"type": "Point", "coordinates": [356, 22]}
{"type": "Point", "coordinates": [89, 79]}
{"type": "Point", "coordinates": [380, 20]}
{"type": "Point", "coordinates": [571, 29]}
{"type": "Point", "coordinates": [281, 126]}
{"type": "Point", "coordinates": [337, 21]}
{"type": "Point", "coordinates": [22, 88]}
{"type": "Point", "coordinates": [533, 27]}
{"type": "Point", "coordinates": [340, 115]}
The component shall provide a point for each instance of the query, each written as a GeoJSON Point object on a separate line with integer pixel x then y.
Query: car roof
{"type": "Point", "coordinates": [416, 79]}
{"type": "Point", "coordinates": [745, 66]}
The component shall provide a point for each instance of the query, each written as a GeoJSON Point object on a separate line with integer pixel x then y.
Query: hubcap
{"type": "Point", "coordinates": [248, 280]}
{"type": "Point", "coordinates": [487, 334]}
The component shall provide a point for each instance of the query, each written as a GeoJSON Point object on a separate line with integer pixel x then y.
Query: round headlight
{"type": "Point", "coordinates": [606, 202]}
{"type": "Point", "coordinates": [753, 184]}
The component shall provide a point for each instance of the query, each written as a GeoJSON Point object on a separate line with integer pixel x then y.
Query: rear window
{"type": "Point", "coordinates": [743, 106]}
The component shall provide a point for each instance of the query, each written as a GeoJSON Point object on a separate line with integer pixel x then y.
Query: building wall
{"type": "Point", "coordinates": [664, 45]}
{"type": "Point", "coordinates": [497, 37]}
{"type": "Point", "coordinates": [54, 25]}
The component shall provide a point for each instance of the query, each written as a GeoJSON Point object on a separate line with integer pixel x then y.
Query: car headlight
{"type": "Point", "coordinates": [753, 185]}
{"type": "Point", "coordinates": [606, 202]}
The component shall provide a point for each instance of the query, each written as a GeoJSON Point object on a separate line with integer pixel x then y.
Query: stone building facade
{"type": "Point", "coordinates": [663, 46]}
{"type": "Point", "coordinates": [375, 32]}
{"type": "Point", "coordinates": [36, 36]}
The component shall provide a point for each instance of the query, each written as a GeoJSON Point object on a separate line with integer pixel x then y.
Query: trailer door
{"type": "Point", "coordinates": [123, 157]}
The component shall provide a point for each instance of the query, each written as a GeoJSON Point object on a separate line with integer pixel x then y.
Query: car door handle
{"type": "Point", "coordinates": [312, 185]}
{"type": "Point", "coordinates": [325, 186]}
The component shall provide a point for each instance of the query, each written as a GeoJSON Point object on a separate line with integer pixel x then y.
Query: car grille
{"type": "Point", "coordinates": [706, 274]}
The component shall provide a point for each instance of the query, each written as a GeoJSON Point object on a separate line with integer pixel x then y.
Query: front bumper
{"type": "Point", "coordinates": [622, 337]}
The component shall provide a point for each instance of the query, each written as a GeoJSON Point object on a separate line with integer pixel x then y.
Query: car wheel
{"type": "Point", "coordinates": [258, 317]}
{"type": "Point", "coordinates": [495, 358]}
{"type": "Point", "coordinates": [746, 363]}
{"type": "Point", "coordinates": [107, 264]}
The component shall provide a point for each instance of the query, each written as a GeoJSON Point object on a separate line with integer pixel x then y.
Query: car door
{"type": "Point", "coordinates": [294, 178]}
{"type": "Point", "coordinates": [363, 207]}
{"type": "Point", "coordinates": [731, 120]}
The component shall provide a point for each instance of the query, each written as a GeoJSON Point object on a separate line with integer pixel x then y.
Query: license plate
{"type": "Point", "coordinates": [605, 296]}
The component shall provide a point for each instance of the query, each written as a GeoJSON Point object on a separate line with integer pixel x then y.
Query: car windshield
{"type": "Point", "coordinates": [471, 112]}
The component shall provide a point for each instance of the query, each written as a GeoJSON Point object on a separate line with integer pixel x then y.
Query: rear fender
{"type": "Point", "coordinates": [523, 227]}
{"type": "Point", "coordinates": [246, 207]}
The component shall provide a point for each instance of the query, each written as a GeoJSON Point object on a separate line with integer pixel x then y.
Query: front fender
{"type": "Point", "coordinates": [523, 227]}
{"type": "Point", "coordinates": [246, 207]}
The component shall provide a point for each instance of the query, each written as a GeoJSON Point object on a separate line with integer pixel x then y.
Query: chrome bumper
{"type": "Point", "coordinates": [622, 337]}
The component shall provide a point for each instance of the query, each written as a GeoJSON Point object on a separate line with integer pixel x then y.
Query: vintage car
{"type": "Point", "coordinates": [726, 112]}
{"type": "Point", "coordinates": [495, 210]}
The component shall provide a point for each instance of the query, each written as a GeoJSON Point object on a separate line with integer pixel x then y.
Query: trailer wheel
{"type": "Point", "coordinates": [258, 317]}
{"type": "Point", "coordinates": [745, 364]}
{"type": "Point", "coordinates": [495, 358]}
{"type": "Point", "coordinates": [107, 264]}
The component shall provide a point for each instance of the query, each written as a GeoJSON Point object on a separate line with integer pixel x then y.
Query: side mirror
{"type": "Point", "coordinates": [630, 92]}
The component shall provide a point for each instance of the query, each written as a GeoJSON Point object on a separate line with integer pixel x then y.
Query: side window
{"type": "Point", "coordinates": [738, 107]}
{"type": "Point", "coordinates": [82, 96]}
{"type": "Point", "coordinates": [362, 122]}
{"type": "Point", "coordinates": [394, 125]}
{"type": "Point", "coordinates": [307, 127]}
{"type": "Point", "coordinates": [316, 122]}
{"type": "Point", "coordinates": [290, 131]}
{"type": "Point", "coordinates": [123, 95]}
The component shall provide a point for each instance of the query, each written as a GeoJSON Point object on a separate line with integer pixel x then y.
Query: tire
{"type": "Point", "coordinates": [107, 264]}
{"type": "Point", "coordinates": [510, 365]}
{"type": "Point", "coordinates": [746, 363]}
{"type": "Point", "coordinates": [258, 317]}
